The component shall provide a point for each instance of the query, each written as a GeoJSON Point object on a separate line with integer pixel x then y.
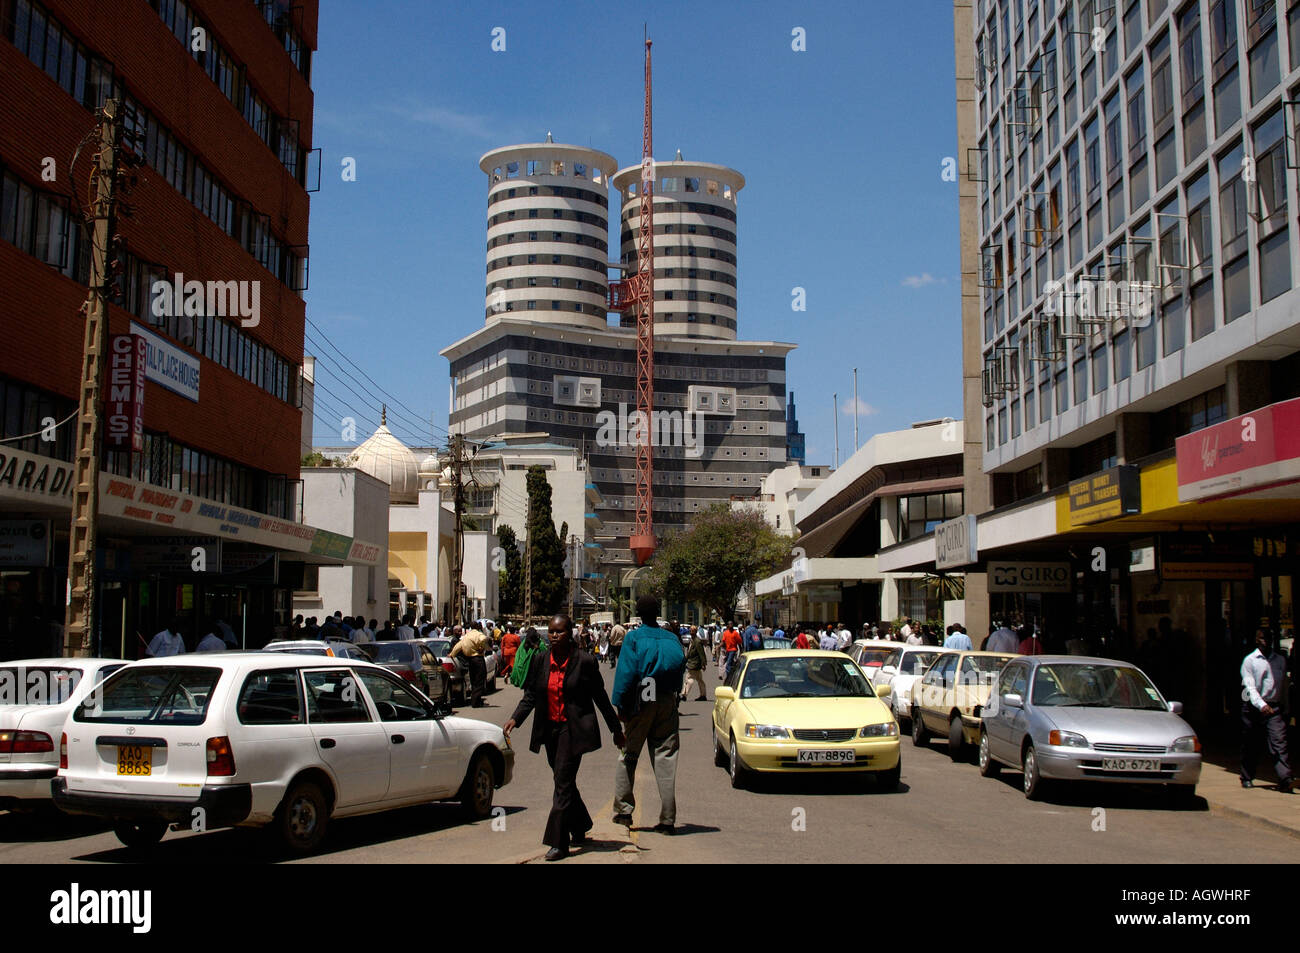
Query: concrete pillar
{"type": "Point", "coordinates": [1132, 436]}
{"type": "Point", "coordinates": [1249, 386]}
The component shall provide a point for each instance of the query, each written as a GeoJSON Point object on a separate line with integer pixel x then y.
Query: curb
{"type": "Point", "coordinates": [1224, 810]}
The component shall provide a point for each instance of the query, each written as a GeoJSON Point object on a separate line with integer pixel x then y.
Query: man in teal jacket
{"type": "Point", "coordinates": [647, 684]}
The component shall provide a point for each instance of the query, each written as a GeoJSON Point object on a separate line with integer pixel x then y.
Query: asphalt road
{"type": "Point", "coordinates": [942, 813]}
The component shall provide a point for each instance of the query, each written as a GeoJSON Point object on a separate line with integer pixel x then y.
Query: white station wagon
{"type": "Point", "coordinates": [257, 739]}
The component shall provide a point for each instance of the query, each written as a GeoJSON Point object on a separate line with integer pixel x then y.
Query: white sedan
{"type": "Point", "coordinates": [900, 669]}
{"type": "Point", "coordinates": [260, 739]}
{"type": "Point", "coordinates": [36, 696]}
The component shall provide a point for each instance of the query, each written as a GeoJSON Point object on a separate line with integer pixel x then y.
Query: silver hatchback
{"type": "Point", "coordinates": [1065, 717]}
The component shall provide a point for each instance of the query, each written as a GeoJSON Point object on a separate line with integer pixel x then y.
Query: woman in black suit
{"type": "Point", "coordinates": [565, 687]}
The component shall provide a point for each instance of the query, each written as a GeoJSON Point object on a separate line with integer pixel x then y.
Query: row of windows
{"type": "Point", "coordinates": [532, 282]}
{"type": "Point", "coordinates": [570, 261]}
{"type": "Point", "coordinates": [686, 184]}
{"type": "Point", "coordinates": [175, 466]}
{"type": "Point", "coordinates": [547, 167]}
{"type": "Point", "coordinates": [279, 17]}
{"type": "Point", "coordinates": [557, 191]}
{"type": "Point", "coordinates": [696, 296]}
{"type": "Point", "coordinates": [27, 412]}
{"type": "Point", "coordinates": [683, 251]}
{"type": "Point", "coordinates": [628, 321]}
{"type": "Point", "coordinates": [720, 276]}
{"type": "Point", "coordinates": [90, 81]}
{"type": "Point", "coordinates": [672, 229]}
{"type": "Point", "coordinates": [516, 237]}
{"type": "Point", "coordinates": [40, 224]}
{"type": "Point", "coordinates": [585, 218]}
{"type": "Point", "coordinates": [230, 76]}
{"type": "Point", "coordinates": [918, 515]}
{"type": "Point", "coordinates": [221, 341]}
{"type": "Point", "coordinates": [698, 208]}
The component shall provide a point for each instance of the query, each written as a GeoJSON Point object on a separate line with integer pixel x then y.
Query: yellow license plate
{"type": "Point", "coordinates": [134, 760]}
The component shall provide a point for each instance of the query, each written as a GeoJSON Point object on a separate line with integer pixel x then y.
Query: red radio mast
{"type": "Point", "coordinates": [643, 299]}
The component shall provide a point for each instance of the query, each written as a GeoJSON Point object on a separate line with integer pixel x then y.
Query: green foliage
{"type": "Point", "coordinates": [318, 459]}
{"type": "Point", "coordinates": [620, 603]}
{"type": "Point", "coordinates": [723, 551]}
{"type": "Point", "coordinates": [549, 585]}
{"type": "Point", "coordinates": [512, 577]}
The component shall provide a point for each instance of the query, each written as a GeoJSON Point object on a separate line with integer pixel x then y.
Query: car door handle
{"type": "Point", "coordinates": [398, 739]}
{"type": "Point", "coordinates": [327, 742]}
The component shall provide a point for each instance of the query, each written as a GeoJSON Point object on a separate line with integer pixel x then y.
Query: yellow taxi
{"type": "Point", "coordinates": [804, 711]}
{"type": "Point", "coordinates": [949, 698]}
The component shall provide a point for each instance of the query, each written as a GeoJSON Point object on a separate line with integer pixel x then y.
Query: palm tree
{"type": "Point", "coordinates": [620, 603]}
{"type": "Point", "coordinates": [945, 587]}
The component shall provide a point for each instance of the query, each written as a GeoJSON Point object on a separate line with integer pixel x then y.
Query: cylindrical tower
{"type": "Point", "coordinates": [548, 233]}
{"type": "Point", "coordinates": [695, 244]}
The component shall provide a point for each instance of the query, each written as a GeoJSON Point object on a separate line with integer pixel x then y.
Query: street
{"type": "Point", "coordinates": [942, 813]}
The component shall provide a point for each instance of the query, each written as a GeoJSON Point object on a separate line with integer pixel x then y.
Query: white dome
{"type": "Point", "coordinates": [386, 458]}
{"type": "Point", "coordinates": [429, 465]}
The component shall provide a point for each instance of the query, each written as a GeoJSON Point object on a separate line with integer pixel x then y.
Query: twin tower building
{"type": "Point", "coordinates": [557, 353]}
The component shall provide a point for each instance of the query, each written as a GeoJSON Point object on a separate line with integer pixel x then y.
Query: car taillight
{"type": "Point", "coordinates": [449, 668]}
{"type": "Point", "coordinates": [221, 760]}
{"type": "Point", "coordinates": [407, 674]}
{"type": "Point", "coordinates": [25, 742]}
{"type": "Point", "coordinates": [63, 750]}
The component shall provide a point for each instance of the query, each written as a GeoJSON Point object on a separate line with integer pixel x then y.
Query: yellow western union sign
{"type": "Point", "coordinates": [1104, 496]}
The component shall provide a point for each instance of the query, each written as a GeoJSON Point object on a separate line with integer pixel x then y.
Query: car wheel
{"type": "Point", "coordinates": [303, 817]}
{"type": "Point", "coordinates": [989, 768]}
{"type": "Point", "coordinates": [920, 735]}
{"type": "Point", "coordinates": [1035, 785]}
{"type": "Point", "coordinates": [888, 780]}
{"type": "Point", "coordinates": [140, 835]}
{"type": "Point", "coordinates": [477, 790]}
{"type": "Point", "coordinates": [1182, 797]}
{"type": "Point", "coordinates": [719, 752]}
{"type": "Point", "coordinates": [738, 773]}
{"type": "Point", "coordinates": [956, 739]}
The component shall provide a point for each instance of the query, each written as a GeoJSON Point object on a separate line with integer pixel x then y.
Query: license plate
{"type": "Point", "coordinates": [135, 760]}
{"type": "Point", "coordinates": [1130, 764]}
{"type": "Point", "coordinates": [827, 755]}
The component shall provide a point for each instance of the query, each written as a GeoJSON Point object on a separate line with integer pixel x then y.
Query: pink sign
{"type": "Point", "coordinates": [1256, 450]}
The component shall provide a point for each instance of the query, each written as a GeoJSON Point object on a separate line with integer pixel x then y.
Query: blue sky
{"type": "Point", "coordinates": [841, 146]}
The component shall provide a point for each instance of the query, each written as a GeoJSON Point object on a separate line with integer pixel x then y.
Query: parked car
{"type": "Point", "coordinates": [870, 654]}
{"type": "Point", "coordinates": [36, 696]}
{"type": "Point", "coordinates": [458, 670]}
{"type": "Point", "coordinates": [332, 648]}
{"type": "Point", "coordinates": [900, 670]}
{"type": "Point", "coordinates": [949, 698]}
{"type": "Point", "coordinates": [276, 740]}
{"type": "Point", "coordinates": [803, 711]}
{"type": "Point", "coordinates": [413, 661]}
{"type": "Point", "coordinates": [1065, 717]}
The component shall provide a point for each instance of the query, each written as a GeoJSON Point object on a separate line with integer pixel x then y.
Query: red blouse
{"type": "Point", "coordinates": [555, 689]}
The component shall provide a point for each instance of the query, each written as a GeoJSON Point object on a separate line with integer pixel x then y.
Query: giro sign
{"type": "Point", "coordinates": [955, 543]}
{"type": "Point", "coordinates": [1028, 577]}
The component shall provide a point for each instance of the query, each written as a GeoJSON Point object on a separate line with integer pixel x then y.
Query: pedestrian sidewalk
{"type": "Point", "coordinates": [1220, 785]}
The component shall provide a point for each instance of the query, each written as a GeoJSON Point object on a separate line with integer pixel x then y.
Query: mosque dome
{"type": "Point", "coordinates": [386, 458]}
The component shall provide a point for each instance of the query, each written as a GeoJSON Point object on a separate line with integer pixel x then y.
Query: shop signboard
{"type": "Point", "coordinates": [1107, 495]}
{"type": "Point", "coordinates": [1255, 450]}
{"type": "Point", "coordinates": [1004, 576]}
{"type": "Point", "coordinates": [124, 403]}
{"type": "Point", "coordinates": [955, 542]}
{"type": "Point", "coordinates": [24, 544]}
{"type": "Point", "coordinates": [176, 554]}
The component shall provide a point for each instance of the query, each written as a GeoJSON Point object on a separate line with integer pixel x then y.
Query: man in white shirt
{"type": "Point", "coordinates": [211, 642]}
{"type": "Point", "coordinates": [167, 642]}
{"type": "Point", "coordinates": [844, 636]}
{"type": "Point", "coordinates": [957, 639]}
{"type": "Point", "coordinates": [1263, 681]}
{"type": "Point", "coordinates": [406, 631]}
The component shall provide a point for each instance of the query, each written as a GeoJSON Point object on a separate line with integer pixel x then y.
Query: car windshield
{"type": "Point", "coordinates": [171, 695]}
{"type": "Point", "coordinates": [20, 685]}
{"type": "Point", "coordinates": [439, 646]}
{"type": "Point", "coordinates": [915, 663]}
{"type": "Point", "coordinates": [1093, 685]}
{"type": "Point", "coordinates": [872, 656]}
{"type": "Point", "coordinates": [392, 652]}
{"type": "Point", "coordinates": [804, 677]}
{"type": "Point", "coordinates": [986, 664]}
{"type": "Point", "coordinates": [292, 649]}
{"type": "Point", "coordinates": [776, 643]}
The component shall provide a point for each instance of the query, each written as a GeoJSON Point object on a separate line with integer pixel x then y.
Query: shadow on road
{"type": "Point", "coordinates": [1111, 795]}
{"type": "Point", "coordinates": [47, 825]}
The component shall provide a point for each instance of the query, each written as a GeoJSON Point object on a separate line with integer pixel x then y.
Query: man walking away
{"type": "Point", "coordinates": [1263, 679]}
{"type": "Point", "coordinates": [565, 687]}
{"type": "Point", "coordinates": [753, 638]}
{"type": "Point", "coordinates": [958, 640]}
{"type": "Point", "coordinates": [731, 643]}
{"type": "Point", "coordinates": [616, 637]}
{"type": "Point", "coordinates": [697, 657]}
{"type": "Point", "coordinates": [167, 642]}
{"type": "Point", "coordinates": [646, 688]}
{"type": "Point", "coordinates": [828, 641]}
{"type": "Point", "coordinates": [1003, 640]}
{"type": "Point", "coordinates": [473, 645]}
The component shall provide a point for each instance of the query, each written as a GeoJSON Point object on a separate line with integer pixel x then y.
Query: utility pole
{"type": "Point", "coordinates": [458, 552]}
{"type": "Point", "coordinates": [573, 571]}
{"type": "Point", "coordinates": [80, 619]}
{"type": "Point", "coordinates": [835, 413]}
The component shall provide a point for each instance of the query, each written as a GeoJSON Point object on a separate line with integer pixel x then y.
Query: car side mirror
{"type": "Point", "coordinates": [724, 694]}
{"type": "Point", "coordinates": [1013, 701]}
{"type": "Point", "coordinates": [1176, 708]}
{"type": "Point", "coordinates": [884, 690]}
{"type": "Point", "coordinates": [888, 670]}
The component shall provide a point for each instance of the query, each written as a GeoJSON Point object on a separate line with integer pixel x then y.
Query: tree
{"type": "Point", "coordinates": [620, 603]}
{"type": "Point", "coordinates": [723, 551]}
{"type": "Point", "coordinates": [512, 577]}
{"type": "Point", "coordinates": [544, 542]}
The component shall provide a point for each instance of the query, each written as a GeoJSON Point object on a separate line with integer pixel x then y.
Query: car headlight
{"type": "Point", "coordinates": [1068, 739]}
{"type": "Point", "coordinates": [1186, 744]}
{"type": "Point", "coordinates": [766, 731]}
{"type": "Point", "coordinates": [888, 729]}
